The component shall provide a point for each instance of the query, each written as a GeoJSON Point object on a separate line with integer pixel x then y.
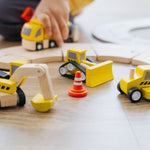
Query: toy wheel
{"type": "Point", "coordinates": [119, 89]}
{"type": "Point", "coordinates": [135, 95]}
{"type": "Point", "coordinates": [52, 44]}
{"type": "Point", "coordinates": [63, 70]}
{"type": "Point", "coordinates": [83, 76]}
{"type": "Point", "coordinates": [70, 67]}
{"type": "Point", "coordinates": [39, 46]}
{"type": "Point", "coordinates": [69, 40]}
{"type": "Point", "coordinates": [21, 97]}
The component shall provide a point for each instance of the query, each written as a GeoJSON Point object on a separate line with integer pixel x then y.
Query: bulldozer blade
{"type": "Point", "coordinates": [98, 74]}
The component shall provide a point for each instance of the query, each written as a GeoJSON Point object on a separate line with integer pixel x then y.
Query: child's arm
{"type": "Point", "coordinates": [54, 15]}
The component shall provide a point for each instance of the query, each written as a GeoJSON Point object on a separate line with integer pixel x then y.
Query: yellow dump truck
{"type": "Point", "coordinates": [137, 84]}
{"type": "Point", "coordinates": [92, 72]}
{"type": "Point", "coordinates": [34, 36]}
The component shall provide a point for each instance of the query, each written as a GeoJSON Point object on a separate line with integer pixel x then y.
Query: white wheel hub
{"type": "Point", "coordinates": [83, 77]}
{"type": "Point", "coordinates": [70, 67]}
{"type": "Point", "coordinates": [52, 44]}
{"type": "Point", "coordinates": [39, 46]}
{"type": "Point", "coordinates": [136, 95]}
{"type": "Point", "coordinates": [63, 70]}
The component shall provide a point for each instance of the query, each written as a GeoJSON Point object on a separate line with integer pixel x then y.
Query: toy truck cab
{"type": "Point", "coordinates": [76, 54]}
{"type": "Point", "coordinates": [34, 36]}
{"type": "Point", "coordinates": [138, 85]}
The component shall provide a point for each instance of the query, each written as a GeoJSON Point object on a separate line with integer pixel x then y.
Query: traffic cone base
{"type": "Point", "coordinates": [77, 93]}
{"type": "Point", "coordinates": [77, 90]}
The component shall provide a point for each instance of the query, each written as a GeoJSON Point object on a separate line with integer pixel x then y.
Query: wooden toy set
{"type": "Point", "coordinates": [80, 65]}
{"type": "Point", "coordinates": [135, 86]}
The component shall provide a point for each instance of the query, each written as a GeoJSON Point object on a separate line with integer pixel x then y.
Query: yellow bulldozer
{"type": "Point", "coordinates": [93, 73]}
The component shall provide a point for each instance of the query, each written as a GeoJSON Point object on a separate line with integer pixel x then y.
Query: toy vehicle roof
{"type": "Point", "coordinates": [77, 50]}
{"type": "Point", "coordinates": [144, 67]}
{"type": "Point", "coordinates": [33, 24]}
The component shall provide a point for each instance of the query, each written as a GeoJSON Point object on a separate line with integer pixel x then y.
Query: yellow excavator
{"type": "Point", "coordinates": [12, 95]}
{"type": "Point", "coordinates": [93, 73]}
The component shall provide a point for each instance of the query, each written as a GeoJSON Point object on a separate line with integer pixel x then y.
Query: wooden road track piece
{"type": "Point", "coordinates": [116, 53]}
{"type": "Point", "coordinates": [121, 32]}
{"type": "Point", "coordinates": [99, 52]}
{"type": "Point", "coordinates": [142, 59]}
{"type": "Point", "coordinates": [6, 59]}
{"type": "Point", "coordinates": [18, 52]}
{"type": "Point", "coordinates": [88, 47]}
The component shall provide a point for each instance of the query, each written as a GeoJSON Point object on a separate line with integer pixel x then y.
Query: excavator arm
{"type": "Point", "coordinates": [40, 102]}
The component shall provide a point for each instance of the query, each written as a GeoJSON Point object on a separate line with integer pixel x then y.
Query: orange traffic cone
{"type": "Point", "coordinates": [77, 90]}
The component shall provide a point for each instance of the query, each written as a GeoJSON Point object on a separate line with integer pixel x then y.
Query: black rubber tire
{"type": "Point", "coordinates": [37, 46]}
{"type": "Point", "coordinates": [131, 92]}
{"type": "Point", "coordinates": [119, 89]}
{"type": "Point", "coordinates": [21, 97]}
{"type": "Point", "coordinates": [69, 40]}
{"type": "Point", "coordinates": [54, 44]}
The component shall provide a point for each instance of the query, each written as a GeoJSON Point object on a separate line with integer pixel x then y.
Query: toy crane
{"type": "Point", "coordinates": [10, 88]}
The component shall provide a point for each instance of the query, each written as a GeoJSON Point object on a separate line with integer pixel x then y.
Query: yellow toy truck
{"type": "Point", "coordinates": [34, 36]}
{"type": "Point", "coordinates": [136, 85]}
{"type": "Point", "coordinates": [92, 72]}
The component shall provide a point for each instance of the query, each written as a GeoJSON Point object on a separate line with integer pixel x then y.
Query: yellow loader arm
{"type": "Point", "coordinates": [40, 102]}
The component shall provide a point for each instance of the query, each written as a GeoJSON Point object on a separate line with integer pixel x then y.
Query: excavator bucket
{"type": "Point", "coordinates": [40, 104]}
{"type": "Point", "coordinates": [98, 74]}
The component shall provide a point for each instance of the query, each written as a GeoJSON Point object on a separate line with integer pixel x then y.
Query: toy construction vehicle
{"type": "Point", "coordinates": [35, 38]}
{"type": "Point", "coordinates": [136, 85]}
{"type": "Point", "coordinates": [12, 95]}
{"type": "Point", "coordinates": [92, 72]}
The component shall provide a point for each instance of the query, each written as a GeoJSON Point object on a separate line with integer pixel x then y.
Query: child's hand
{"type": "Point", "coordinates": [54, 15]}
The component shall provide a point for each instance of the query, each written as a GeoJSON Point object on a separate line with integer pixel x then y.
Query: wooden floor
{"type": "Point", "coordinates": [104, 120]}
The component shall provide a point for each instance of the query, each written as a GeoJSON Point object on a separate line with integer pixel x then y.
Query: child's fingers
{"type": "Point", "coordinates": [46, 22]}
{"type": "Point", "coordinates": [63, 28]}
{"type": "Point", "coordinates": [56, 32]}
{"type": "Point", "coordinates": [66, 11]}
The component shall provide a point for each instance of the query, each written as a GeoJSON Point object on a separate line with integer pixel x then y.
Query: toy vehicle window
{"type": "Point", "coordinates": [72, 55]}
{"type": "Point", "coordinates": [147, 76]}
{"type": "Point", "coordinates": [13, 68]}
{"type": "Point", "coordinates": [38, 33]}
{"type": "Point", "coordinates": [82, 56]}
{"type": "Point", "coordinates": [26, 31]}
